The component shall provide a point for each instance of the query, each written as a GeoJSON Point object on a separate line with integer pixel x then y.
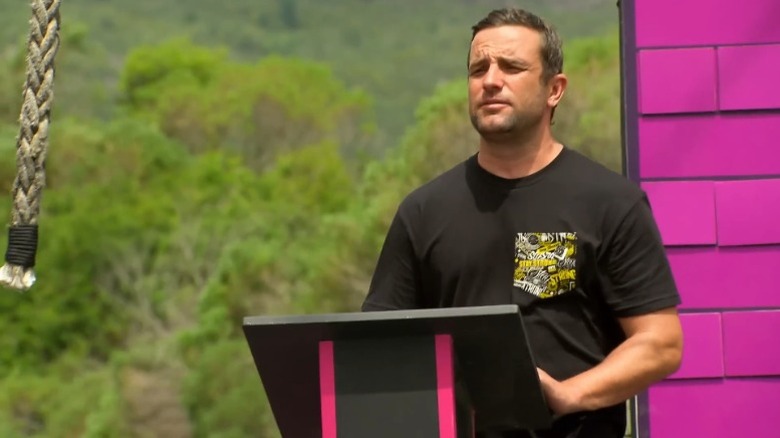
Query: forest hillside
{"type": "Point", "coordinates": [214, 160]}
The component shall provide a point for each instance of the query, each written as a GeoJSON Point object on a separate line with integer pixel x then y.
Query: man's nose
{"type": "Point", "coordinates": [493, 78]}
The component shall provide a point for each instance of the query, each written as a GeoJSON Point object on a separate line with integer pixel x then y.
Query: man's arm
{"type": "Point", "coordinates": [640, 290]}
{"type": "Point", "coordinates": [395, 283]}
{"type": "Point", "coordinates": [652, 351]}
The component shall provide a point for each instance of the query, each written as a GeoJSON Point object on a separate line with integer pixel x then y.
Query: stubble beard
{"type": "Point", "coordinates": [514, 127]}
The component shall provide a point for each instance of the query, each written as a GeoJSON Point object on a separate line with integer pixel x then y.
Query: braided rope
{"type": "Point", "coordinates": [31, 145]}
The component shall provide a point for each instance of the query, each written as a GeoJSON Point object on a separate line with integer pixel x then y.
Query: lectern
{"type": "Point", "coordinates": [428, 373]}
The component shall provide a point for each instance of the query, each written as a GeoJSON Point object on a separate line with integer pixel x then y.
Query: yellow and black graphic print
{"type": "Point", "coordinates": [545, 263]}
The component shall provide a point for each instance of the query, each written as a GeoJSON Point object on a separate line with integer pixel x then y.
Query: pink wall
{"type": "Point", "coordinates": [703, 136]}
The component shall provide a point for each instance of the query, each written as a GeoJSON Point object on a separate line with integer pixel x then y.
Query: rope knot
{"type": "Point", "coordinates": [22, 244]}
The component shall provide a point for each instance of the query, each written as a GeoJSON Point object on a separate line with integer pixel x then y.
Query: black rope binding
{"type": "Point", "coordinates": [22, 245]}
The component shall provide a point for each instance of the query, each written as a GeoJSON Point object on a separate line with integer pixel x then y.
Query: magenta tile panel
{"type": "Point", "coordinates": [748, 212]}
{"type": "Point", "coordinates": [744, 74]}
{"type": "Point", "coordinates": [750, 343]}
{"type": "Point", "coordinates": [702, 346]}
{"type": "Point", "coordinates": [677, 80]}
{"type": "Point", "coordinates": [713, 145]}
{"type": "Point", "coordinates": [715, 408]}
{"type": "Point", "coordinates": [684, 210]}
{"type": "Point", "coordinates": [667, 23]}
{"type": "Point", "coordinates": [729, 277]}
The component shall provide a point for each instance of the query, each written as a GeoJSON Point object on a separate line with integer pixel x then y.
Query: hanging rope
{"type": "Point", "coordinates": [31, 145]}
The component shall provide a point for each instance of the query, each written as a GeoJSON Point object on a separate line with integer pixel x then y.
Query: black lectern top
{"type": "Point", "coordinates": [492, 358]}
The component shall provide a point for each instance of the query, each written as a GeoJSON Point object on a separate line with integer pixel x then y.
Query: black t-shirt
{"type": "Point", "coordinates": [574, 245]}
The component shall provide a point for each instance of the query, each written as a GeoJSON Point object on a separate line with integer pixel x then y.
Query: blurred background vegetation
{"type": "Point", "coordinates": [213, 160]}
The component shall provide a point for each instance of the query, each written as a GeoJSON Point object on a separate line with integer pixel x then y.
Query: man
{"type": "Point", "coordinates": [526, 220]}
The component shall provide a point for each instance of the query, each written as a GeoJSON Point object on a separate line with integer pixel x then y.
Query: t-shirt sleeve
{"type": "Point", "coordinates": [395, 282]}
{"type": "Point", "coordinates": [638, 275]}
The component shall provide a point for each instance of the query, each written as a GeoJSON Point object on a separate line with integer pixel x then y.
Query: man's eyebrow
{"type": "Point", "coordinates": [478, 60]}
{"type": "Point", "coordinates": [515, 62]}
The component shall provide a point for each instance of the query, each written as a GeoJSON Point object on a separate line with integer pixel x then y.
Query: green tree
{"type": "Point", "coordinates": [589, 117]}
{"type": "Point", "coordinates": [288, 13]}
{"type": "Point", "coordinates": [255, 110]}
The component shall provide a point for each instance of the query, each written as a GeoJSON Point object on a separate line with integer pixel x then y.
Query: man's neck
{"type": "Point", "coordinates": [518, 159]}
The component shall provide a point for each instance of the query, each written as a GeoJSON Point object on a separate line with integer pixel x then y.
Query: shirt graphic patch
{"type": "Point", "coordinates": [545, 263]}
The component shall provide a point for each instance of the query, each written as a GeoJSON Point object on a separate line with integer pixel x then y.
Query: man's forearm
{"type": "Point", "coordinates": [637, 363]}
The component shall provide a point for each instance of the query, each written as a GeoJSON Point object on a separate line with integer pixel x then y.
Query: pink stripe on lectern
{"type": "Point", "coordinates": [444, 380]}
{"type": "Point", "coordinates": [327, 390]}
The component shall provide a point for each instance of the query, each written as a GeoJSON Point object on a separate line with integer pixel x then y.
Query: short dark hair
{"type": "Point", "coordinates": [552, 47]}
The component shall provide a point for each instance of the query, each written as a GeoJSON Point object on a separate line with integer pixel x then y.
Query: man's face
{"type": "Point", "coordinates": [506, 95]}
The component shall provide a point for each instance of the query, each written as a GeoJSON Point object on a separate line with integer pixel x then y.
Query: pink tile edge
{"type": "Point", "coordinates": [444, 385]}
{"type": "Point", "coordinates": [704, 234]}
{"type": "Point", "coordinates": [692, 368]}
{"type": "Point", "coordinates": [327, 390]}
{"type": "Point", "coordinates": [743, 356]}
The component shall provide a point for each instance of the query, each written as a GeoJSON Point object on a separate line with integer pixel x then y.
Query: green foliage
{"type": "Point", "coordinates": [226, 397]}
{"type": "Point", "coordinates": [221, 181]}
{"type": "Point", "coordinates": [256, 110]}
{"type": "Point", "coordinates": [311, 181]}
{"type": "Point", "coordinates": [8, 134]}
{"type": "Point", "coordinates": [442, 136]}
{"type": "Point", "coordinates": [98, 209]}
{"type": "Point", "coordinates": [73, 400]}
{"type": "Point", "coordinates": [288, 13]}
{"type": "Point", "coordinates": [11, 84]}
{"type": "Point", "coordinates": [589, 116]}
{"type": "Point", "coordinates": [396, 55]}
{"type": "Point", "coordinates": [151, 71]}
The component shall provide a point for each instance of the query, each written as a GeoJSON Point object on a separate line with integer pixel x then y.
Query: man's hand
{"type": "Point", "coordinates": [652, 350]}
{"type": "Point", "coordinates": [561, 398]}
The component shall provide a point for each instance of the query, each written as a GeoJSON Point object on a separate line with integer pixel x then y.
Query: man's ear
{"type": "Point", "coordinates": [558, 85]}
